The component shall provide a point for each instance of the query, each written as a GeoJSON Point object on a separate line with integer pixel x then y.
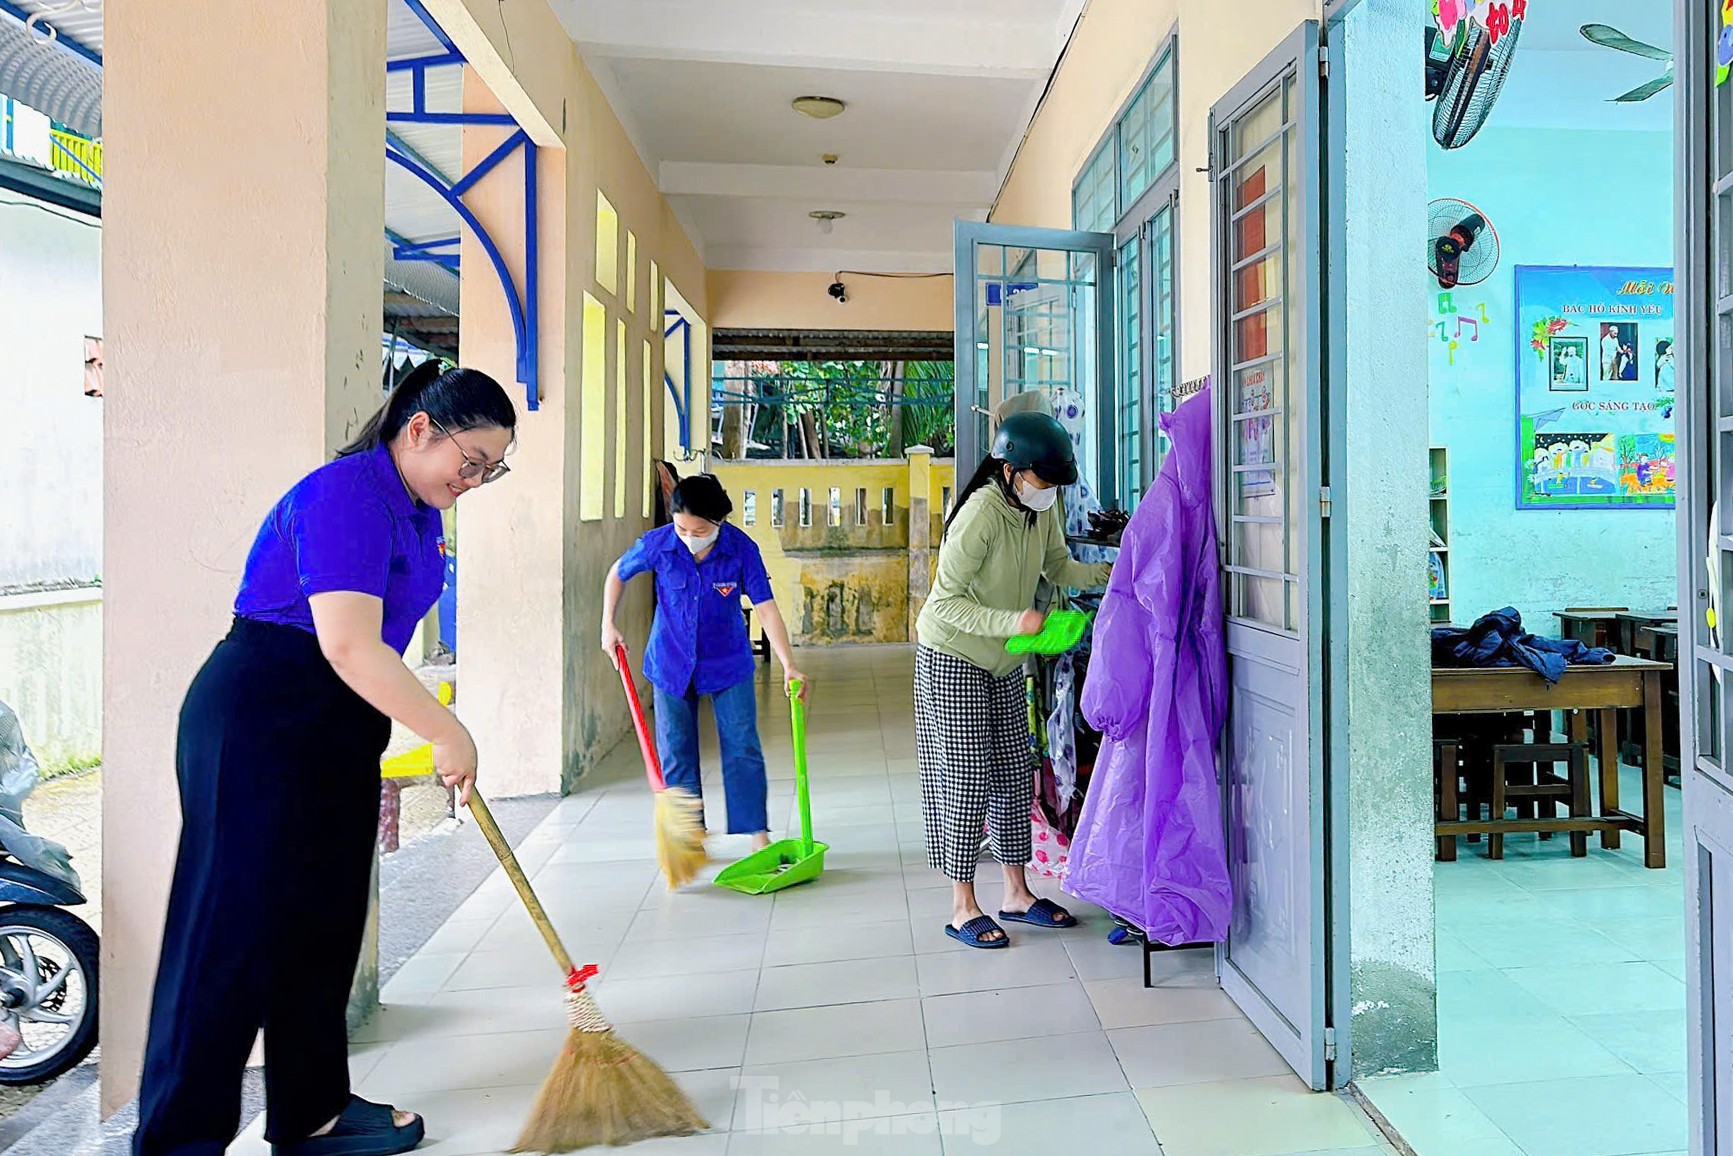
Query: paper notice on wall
{"type": "Point", "coordinates": [1596, 381]}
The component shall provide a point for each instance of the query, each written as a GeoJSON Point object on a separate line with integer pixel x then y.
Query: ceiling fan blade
{"type": "Point", "coordinates": [1609, 37]}
{"type": "Point", "coordinates": [1644, 92]}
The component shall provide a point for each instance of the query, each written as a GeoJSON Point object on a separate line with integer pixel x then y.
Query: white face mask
{"type": "Point", "coordinates": [1037, 499]}
{"type": "Point", "coordinates": [700, 543]}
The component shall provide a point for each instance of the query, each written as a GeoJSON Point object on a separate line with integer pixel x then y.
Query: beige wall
{"type": "Point", "coordinates": [203, 433]}
{"type": "Point", "coordinates": [540, 696]}
{"type": "Point", "coordinates": [511, 563]}
{"type": "Point", "coordinates": [1115, 43]}
{"type": "Point", "coordinates": [751, 300]}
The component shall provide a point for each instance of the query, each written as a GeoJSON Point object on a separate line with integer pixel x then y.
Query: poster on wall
{"type": "Point", "coordinates": [1594, 388]}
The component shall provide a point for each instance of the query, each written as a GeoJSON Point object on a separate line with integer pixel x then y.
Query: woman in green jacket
{"type": "Point", "coordinates": [971, 722]}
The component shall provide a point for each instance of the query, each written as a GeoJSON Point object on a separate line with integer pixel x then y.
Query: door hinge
{"type": "Point", "coordinates": [1324, 501]}
{"type": "Point", "coordinates": [1323, 62]}
{"type": "Point", "coordinates": [1329, 1045]}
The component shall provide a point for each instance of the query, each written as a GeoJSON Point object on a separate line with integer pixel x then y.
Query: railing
{"type": "Point", "coordinates": [69, 154]}
{"type": "Point", "coordinates": [830, 410]}
{"type": "Point", "coordinates": [76, 157]}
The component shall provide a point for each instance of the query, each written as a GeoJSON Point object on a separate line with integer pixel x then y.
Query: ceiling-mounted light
{"type": "Point", "coordinates": [819, 107]}
{"type": "Point", "coordinates": [825, 217]}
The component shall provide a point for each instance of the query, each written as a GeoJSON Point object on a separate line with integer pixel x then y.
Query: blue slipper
{"type": "Point", "coordinates": [972, 933]}
{"type": "Point", "coordinates": [1045, 913]}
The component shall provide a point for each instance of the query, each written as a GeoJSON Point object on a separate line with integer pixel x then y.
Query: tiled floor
{"type": "Point", "coordinates": [1561, 1004]}
{"type": "Point", "coordinates": [842, 996]}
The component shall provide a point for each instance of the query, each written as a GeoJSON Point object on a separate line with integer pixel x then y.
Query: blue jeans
{"type": "Point", "coordinates": [743, 778]}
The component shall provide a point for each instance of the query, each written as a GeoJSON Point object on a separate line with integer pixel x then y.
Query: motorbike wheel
{"type": "Point", "coordinates": [48, 991]}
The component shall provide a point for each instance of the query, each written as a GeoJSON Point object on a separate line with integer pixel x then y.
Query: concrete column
{"type": "Point", "coordinates": [513, 628]}
{"type": "Point", "coordinates": [920, 531]}
{"type": "Point", "coordinates": [242, 278]}
{"type": "Point", "coordinates": [1385, 671]}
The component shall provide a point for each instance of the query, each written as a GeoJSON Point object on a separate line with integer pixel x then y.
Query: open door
{"type": "Point", "coordinates": [1034, 312]}
{"type": "Point", "coordinates": [1266, 209]}
{"type": "Point", "coordinates": [1704, 312]}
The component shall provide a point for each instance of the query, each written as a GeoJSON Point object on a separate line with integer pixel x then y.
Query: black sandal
{"type": "Point", "coordinates": [364, 1129]}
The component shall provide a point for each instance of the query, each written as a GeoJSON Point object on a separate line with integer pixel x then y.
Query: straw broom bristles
{"type": "Point", "coordinates": [679, 835]}
{"type": "Point", "coordinates": [602, 1090]}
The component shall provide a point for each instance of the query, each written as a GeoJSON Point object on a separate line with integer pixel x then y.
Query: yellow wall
{"type": "Point", "coordinates": [1111, 50]}
{"type": "Point", "coordinates": [834, 583]}
{"type": "Point", "coordinates": [749, 300]}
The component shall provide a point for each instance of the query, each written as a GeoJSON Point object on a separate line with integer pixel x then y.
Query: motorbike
{"type": "Point", "coordinates": [49, 957]}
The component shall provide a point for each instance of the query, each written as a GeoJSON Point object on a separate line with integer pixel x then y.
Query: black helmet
{"type": "Point", "coordinates": [1035, 441]}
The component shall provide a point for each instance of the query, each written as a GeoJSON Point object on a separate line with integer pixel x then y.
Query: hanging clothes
{"type": "Point", "coordinates": [1062, 730]}
{"type": "Point", "coordinates": [1080, 499]}
{"type": "Point", "coordinates": [1149, 846]}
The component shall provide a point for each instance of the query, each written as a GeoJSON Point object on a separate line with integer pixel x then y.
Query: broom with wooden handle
{"type": "Point", "coordinates": [679, 813]}
{"type": "Point", "coordinates": [601, 1090]}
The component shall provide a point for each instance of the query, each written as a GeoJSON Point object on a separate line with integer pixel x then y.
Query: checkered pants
{"type": "Point", "coordinates": [972, 737]}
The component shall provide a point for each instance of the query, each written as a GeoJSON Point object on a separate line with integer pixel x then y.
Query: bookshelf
{"type": "Point", "coordinates": [1438, 549]}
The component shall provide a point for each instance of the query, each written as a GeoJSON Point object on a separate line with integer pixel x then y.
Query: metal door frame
{"type": "Point", "coordinates": [970, 234]}
{"type": "Point", "coordinates": [1695, 308]}
{"type": "Point", "coordinates": [1300, 53]}
{"type": "Point", "coordinates": [1332, 709]}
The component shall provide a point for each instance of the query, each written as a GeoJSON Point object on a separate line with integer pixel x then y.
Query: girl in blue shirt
{"type": "Point", "coordinates": [278, 760]}
{"type": "Point", "coordinates": [698, 644]}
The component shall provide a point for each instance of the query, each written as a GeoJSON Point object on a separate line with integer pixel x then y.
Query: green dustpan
{"type": "Point", "coordinates": [1063, 630]}
{"type": "Point", "coordinates": [790, 861]}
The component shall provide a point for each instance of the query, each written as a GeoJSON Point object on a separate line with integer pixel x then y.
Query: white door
{"type": "Point", "coordinates": [1264, 168]}
{"type": "Point", "coordinates": [1705, 445]}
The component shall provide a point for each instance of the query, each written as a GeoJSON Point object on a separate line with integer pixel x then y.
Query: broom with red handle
{"type": "Point", "coordinates": [601, 1090]}
{"type": "Point", "coordinates": [679, 813]}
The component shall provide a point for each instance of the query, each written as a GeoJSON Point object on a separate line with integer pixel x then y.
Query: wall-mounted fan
{"type": "Point", "coordinates": [1609, 37]}
{"type": "Point", "coordinates": [1461, 244]}
{"type": "Point", "coordinates": [1466, 69]}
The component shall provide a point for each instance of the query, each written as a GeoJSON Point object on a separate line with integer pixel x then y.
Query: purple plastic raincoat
{"type": "Point", "coordinates": [1149, 845]}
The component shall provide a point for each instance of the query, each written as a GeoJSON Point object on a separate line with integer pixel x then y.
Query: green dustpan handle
{"type": "Point", "coordinates": [797, 714]}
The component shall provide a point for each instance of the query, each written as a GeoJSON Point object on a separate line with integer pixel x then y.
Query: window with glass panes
{"type": "Point", "coordinates": [1094, 206]}
{"type": "Point", "coordinates": [1161, 318]}
{"type": "Point", "coordinates": [1131, 372]}
{"type": "Point", "coordinates": [1146, 133]}
{"type": "Point", "coordinates": [1130, 187]}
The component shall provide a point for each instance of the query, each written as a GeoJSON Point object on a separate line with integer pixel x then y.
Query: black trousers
{"type": "Point", "coordinates": [278, 762]}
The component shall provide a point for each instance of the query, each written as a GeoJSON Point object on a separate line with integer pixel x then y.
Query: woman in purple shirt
{"type": "Point", "coordinates": [278, 761]}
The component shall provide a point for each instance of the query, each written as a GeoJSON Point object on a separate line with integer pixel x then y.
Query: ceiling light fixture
{"type": "Point", "coordinates": [825, 218]}
{"type": "Point", "coordinates": [819, 107]}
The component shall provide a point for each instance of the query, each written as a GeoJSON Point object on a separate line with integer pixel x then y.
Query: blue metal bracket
{"type": "Point", "coordinates": [442, 251]}
{"type": "Point", "coordinates": [439, 252]}
{"type": "Point", "coordinates": [682, 406]}
{"type": "Point", "coordinates": [524, 309]}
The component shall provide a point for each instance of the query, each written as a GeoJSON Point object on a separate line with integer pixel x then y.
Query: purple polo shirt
{"type": "Point", "coordinates": [348, 525]}
{"type": "Point", "coordinates": [698, 637]}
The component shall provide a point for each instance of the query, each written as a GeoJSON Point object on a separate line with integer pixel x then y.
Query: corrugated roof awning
{"type": "Point", "coordinates": [61, 79]}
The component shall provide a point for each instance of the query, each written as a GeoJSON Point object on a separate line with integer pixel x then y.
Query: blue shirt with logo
{"type": "Point", "coordinates": [349, 525]}
{"type": "Point", "coordinates": [698, 639]}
